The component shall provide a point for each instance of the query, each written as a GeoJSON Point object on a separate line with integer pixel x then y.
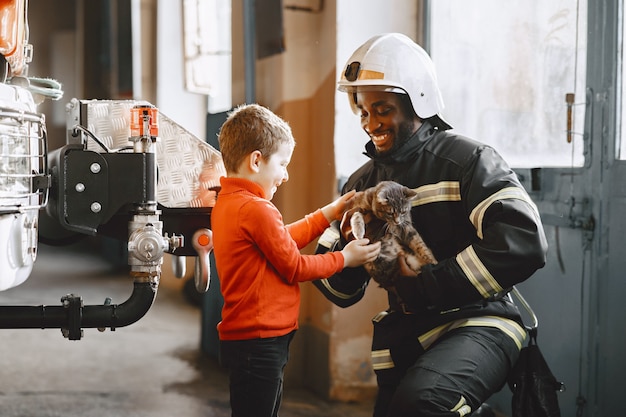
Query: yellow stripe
{"type": "Point", "coordinates": [336, 293]}
{"type": "Point", "coordinates": [428, 338]}
{"type": "Point", "coordinates": [328, 238]}
{"type": "Point", "coordinates": [371, 75]}
{"type": "Point", "coordinates": [460, 404]}
{"type": "Point", "coordinates": [450, 191]}
{"type": "Point", "coordinates": [477, 273]}
{"type": "Point", "coordinates": [380, 367]}
{"type": "Point", "coordinates": [462, 408]}
{"type": "Point", "coordinates": [441, 191]}
{"type": "Point", "coordinates": [509, 327]}
{"type": "Point", "coordinates": [381, 359]}
{"type": "Point", "coordinates": [477, 215]}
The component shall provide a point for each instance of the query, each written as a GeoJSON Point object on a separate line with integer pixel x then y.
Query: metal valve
{"type": "Point", "coordinates": [147, 245]}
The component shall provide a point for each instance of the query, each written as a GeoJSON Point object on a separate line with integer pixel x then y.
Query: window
{"type": "Point", "coordinates": [505, 68]}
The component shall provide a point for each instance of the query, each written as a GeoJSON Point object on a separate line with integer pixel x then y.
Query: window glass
{"type": "Point", "coordinates": [505, 69]}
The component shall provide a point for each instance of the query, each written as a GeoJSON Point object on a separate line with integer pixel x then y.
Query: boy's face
{"type": "Point", "coordinates": [273, 171]}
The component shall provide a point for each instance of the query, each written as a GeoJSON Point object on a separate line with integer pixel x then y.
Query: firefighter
{"type": "Point", "coordinates": [451, 334]}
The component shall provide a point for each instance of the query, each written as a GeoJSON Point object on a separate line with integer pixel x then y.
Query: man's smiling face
{"type": "Point", "coordinates": [386, 118]}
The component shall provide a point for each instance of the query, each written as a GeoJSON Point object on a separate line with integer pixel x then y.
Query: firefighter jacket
{"type": "Point", "coordinates": [478, 220]}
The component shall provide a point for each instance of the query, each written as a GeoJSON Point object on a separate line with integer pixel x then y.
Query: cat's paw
{"type": "Point", "coordinates": [357, 222]}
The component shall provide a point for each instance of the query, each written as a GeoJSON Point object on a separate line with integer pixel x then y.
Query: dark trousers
{"type": "Point", "coordinates": [453, 378]}
{"type": "Point", "coordinates": [256, 374]}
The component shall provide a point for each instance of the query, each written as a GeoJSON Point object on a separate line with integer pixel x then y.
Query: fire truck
{"type": "Point", "coordinates": [126, 172]}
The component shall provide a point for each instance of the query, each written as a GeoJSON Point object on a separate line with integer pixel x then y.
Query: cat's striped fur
{"type": "Point", "coordinates": [387, 209]}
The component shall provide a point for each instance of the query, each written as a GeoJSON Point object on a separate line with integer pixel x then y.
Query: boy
{"type": "Point", "coordinates": [258, 258]}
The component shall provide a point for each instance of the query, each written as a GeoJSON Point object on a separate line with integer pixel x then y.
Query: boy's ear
{"type": "Point", "coordinates": [254, 161]}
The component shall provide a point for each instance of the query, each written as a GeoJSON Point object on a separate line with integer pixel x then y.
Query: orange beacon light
{"type": "Point", "coordinates": [13, 34]}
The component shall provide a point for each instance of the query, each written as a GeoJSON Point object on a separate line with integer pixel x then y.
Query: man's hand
{"type": "Point", "coordinates": [405, 271]}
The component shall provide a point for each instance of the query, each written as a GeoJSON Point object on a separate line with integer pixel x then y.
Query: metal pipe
{"type": "Point", "coordinates": [72, 316]}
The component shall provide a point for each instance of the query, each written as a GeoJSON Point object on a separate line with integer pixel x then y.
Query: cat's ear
{"type": "Point", "coordinates": [410, 193]}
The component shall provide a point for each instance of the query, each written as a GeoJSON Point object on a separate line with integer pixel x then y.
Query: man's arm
{"type": "Point", "coordinates": [509, 245]}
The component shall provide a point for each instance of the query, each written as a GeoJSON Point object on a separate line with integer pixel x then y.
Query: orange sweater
{"type": "Point", "coordinates": [259, 263]}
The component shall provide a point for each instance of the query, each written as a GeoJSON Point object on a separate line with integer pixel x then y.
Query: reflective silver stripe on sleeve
{"type": "Point", "coordinates": [509, 327]}
{"type": "Point", "coordinates": [328, 238]}
{"type": "Point", "coordinates": [477, 215]}
{"type": "Point", "coordinates": [477, 273]}
{"type": "Point", "coordinates": [462, 408]}
{"type": "Point", "coordinates": [441, 191]}
{"type": "Point", "coordinates": [336, 293]}
{"type": "Point", "coordinates": [381, 359]}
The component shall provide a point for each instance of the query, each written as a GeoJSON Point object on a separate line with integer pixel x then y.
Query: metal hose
{"type": "Point", "coordinates": [71, 317]}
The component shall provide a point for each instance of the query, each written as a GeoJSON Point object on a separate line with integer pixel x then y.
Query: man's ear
{"type": "Point", "coordinates": [254, 161]}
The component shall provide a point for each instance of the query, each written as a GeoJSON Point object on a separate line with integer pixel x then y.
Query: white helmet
{"type": "Point", "coordinates": [393, 62]}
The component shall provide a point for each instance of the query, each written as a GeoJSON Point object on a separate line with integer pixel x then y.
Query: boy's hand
{"type": "Point", "coordinates": [335, 210]}
{"type": "Point", "coordinates": [359, 251]}
{"type": "Point", "coordinates": [405, 270]}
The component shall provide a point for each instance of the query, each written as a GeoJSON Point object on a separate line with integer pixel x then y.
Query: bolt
{"type": "Point", "coordinates": [96, 207]}
{"type": "Point", "coordinates": [80, 187]}
{"type": "Point", "coordinates": [95, 167]}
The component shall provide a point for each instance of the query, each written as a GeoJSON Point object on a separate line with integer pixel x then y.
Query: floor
{"type": "Point", "coordinates": [153, 367]}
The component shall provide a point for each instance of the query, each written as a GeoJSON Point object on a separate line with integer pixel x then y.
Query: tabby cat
{"type": "Point", "coordinates": [387, 206]}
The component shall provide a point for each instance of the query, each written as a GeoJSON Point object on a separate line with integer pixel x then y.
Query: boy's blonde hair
{"type": "Point", "coordinates": [251, 127]}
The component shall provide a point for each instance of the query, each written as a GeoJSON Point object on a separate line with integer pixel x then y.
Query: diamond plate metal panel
{"type": "Point", "coordinates": [188, 168]}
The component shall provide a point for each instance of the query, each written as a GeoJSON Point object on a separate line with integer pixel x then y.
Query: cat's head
{"type": "Point", "coordinates": [392, 202]}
